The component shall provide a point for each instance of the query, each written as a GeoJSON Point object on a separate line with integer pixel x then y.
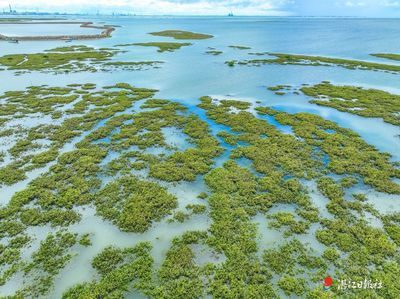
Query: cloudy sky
{"type": "Point", "coordinates": [373, 8]}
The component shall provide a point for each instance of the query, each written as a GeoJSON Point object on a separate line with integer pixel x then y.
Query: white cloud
{"type": "Point", "coordinates": [243, 7]}
{"type": "Point", "coordinates": [373, 3]}
{"type": "Point", "coordinates": [355, 3]}
{"type": "Point", "coordinates": [389, 3]}
{"type": "Point", "coordinates": [214, 7]}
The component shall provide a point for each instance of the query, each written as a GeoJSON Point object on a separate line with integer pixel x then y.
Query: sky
{"type": "Point", "coordinates": [368, 8]}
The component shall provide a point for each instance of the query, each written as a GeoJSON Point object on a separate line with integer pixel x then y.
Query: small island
{"type": "Point", "coordinates": [239, 47]}
{"type": "Point", "coordinates": [296, 59]}
{"type": "Point", "coordinates": [357, 100]}
{"type": "Point", "coordinates": [181, 34]}
{"type": "Point", "coordinates": [73, 59]}
{"type": "Point", "coordinates": [162, 46]}
{"type": "Point", "coordinates": [387, 56]}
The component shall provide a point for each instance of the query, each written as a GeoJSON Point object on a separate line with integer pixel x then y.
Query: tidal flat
{"type": "Point", "coordinates": [191, 179]}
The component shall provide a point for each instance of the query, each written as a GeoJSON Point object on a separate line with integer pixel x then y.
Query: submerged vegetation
{"type": "Point", "coordinates": [130, 65]}
{"type": "Point", "coordinates": [357, 100]}
{"type": "Point", "coordinates": [52, 255]}
{"type": "Point", "coordinates": [119, 270]}
{"type": "Point", "coordinates": [181, 34]}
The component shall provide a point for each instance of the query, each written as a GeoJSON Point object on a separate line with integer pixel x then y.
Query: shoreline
{"type": "Point", "coordinates": [107, 31]}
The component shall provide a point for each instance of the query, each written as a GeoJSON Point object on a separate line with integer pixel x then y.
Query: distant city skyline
{"type": "Point", "coordinates": [367, 8]}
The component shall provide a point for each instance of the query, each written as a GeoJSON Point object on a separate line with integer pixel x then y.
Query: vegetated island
{"type": "Point", "coordinates": [387, 56]}
{"type": "Point", "coordinates": [280, 90]}
{"type": "Point", "coordinates": [214, 52]}
{"type": "Point", "coordinates": [76, 58]}
{"type": "Point", "coordinates": [181, 34]}
{"type": "Point", "coordinates": [107, 31]}
{"type": "Point", "coordinates": [292, 59]}
{"type": "Point", "coordinates": [357, 100]}
{"type": "Point", "coordinates": [258, 53]}
{"type": "Point", "coordinates": [162, 46]}
{"type": "Point", "coordinates": [239, 47]}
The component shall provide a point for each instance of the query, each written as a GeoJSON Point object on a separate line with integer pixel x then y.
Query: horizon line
{"type": "Point", "coordinates": [131, 14]}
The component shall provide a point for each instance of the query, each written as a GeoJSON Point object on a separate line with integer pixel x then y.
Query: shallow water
{"type": "Point", "coordinates": [190, 73]}
{"type": "Point", "coordinates": [45, 29]}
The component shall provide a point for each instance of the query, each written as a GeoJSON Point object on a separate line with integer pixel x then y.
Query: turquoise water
{"type": "Point", "coordinates": [189, 73]}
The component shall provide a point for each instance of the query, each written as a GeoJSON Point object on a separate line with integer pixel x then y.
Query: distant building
{"type": "Point", "coordinates": [11, 11]}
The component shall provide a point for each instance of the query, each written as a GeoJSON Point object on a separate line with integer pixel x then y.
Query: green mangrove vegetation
{"type": "Point", "coordinates": [146, 131]}
{"type": "Point", "coordinates": [279, 87]}
{"type": "Point", "coordinates": [239, 47]}
{"type": "Point", "coordinates": [64, 59]}
{"type": "Point", "coordinates": [181, 34]}
{"type": "Point", "coordinates": [162, 46]}
{"type": "Point", "coordinates": [258, 53]}
{"type": "Point", "coordinates": [280, 90]}
{"type": "Point", "coordinates": [52, 255]}
{"type": "Point", "coordinates": [387, 56]}
{"type": "Point", "coordinates": [130, 65]}
{"type": "Point", "coordinates": [351, 243]}
{"type": "Point", "coordinates": [71, 181]}
{"type": "Point", "coordinates": [73, 178]}
{"type": "Point", "coordinates": [124, 269]}
{"type": "Point", "coordinates": [132, 204]}
{"type": "Point", "coordinates": [357, 100]}
{"type": "Point", "coordinates": [36, 147]}
{"type": "Point", "coordinates": [292, 59]}
{"type": "Point", "coordinates": [69, 59]}
{"type": "Point", "coordinates": [192, 209]}
{"type": "Point", "coordinates": [114, 192]}
{"type": "Point", "coordinates": [214, 52]}
{"type": "Point", "coordinates": [120, 270]}
{"type": "Point", "coordinates": [109, 150]}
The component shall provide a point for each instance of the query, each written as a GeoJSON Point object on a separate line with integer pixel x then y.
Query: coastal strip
{"type": "Point", "coordinates": [296, 59]}
{"type": "Point", "coordinates": [107, 31]}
